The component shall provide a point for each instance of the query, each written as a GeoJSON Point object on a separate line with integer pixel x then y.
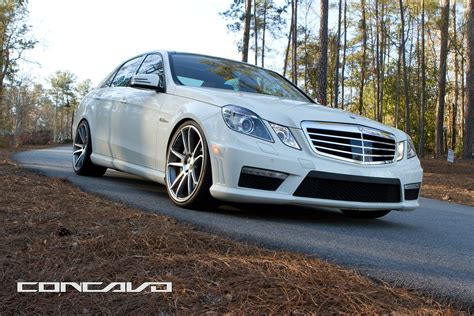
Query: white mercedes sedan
{"type": "Point", "coordinates": [215, 129]}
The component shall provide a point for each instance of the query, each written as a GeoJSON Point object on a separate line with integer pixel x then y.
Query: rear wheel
{"type": "Point", "coordinates": [366, 214]}
{"type": "Point", "coordinates": [188, 168]}
{"type": "Point", "coordinates": [81, 154]}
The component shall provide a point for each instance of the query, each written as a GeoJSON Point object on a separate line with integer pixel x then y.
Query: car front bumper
{"type": "Point", "coordinates": [231, 151]}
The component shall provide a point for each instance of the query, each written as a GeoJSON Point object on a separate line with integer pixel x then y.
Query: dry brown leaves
{"type": "Point", "coordinates": [453, 182]}
{"type": "Point", "coordinates": [52, 231]}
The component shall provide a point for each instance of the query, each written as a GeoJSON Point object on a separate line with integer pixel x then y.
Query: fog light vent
{"type": "Point", "coordinates": [412, 191]}
{"type": "Point", "coordinates": [261, 179]}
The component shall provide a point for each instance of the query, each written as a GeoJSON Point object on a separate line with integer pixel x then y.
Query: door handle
{"type": "Point", "coordinates": [123, 100]}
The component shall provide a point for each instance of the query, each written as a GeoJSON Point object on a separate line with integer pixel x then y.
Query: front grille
{"type": "Point", "coordinates": [332, 186]}
{"type": "Point", "coordinates": [349, 142]}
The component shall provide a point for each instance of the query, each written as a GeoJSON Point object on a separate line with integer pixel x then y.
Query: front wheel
{"type": "Point", "coordinates": [188, 167]}
{"type": "Point", "coordinates": [366, 214]}
{"type": "Point", "coordinates": [82, 150]}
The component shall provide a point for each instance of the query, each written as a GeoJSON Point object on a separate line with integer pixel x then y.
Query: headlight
{"type": "Point", "coordinates": [245, 121]}
{"type": "Point", "coordinates": [411, 152]}
{"type": "Point", "coordinates": [285, 135]}
{"type": "Point", "coordinates": [400, 150]}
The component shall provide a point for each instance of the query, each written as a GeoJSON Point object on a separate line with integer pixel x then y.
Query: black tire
{"type": "Point", "coordinates": [366, 214]}
{"type": "Point", "coordinates": [195, 195]}
{"type": "Point", "coordinates": [81, 154]}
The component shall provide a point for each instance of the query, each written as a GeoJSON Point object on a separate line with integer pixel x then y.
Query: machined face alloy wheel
{"type": "Point", "coordinates": [185, 163]}
{"type": "Point", "coordinates": [80, 146]}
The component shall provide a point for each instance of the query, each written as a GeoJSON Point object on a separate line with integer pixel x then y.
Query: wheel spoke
{"type": "Point", "coordinates": [79, 145]}
{"type": "Point", "coordinates": [198, 157]}
{"type": "Point", "coordinates": [189, 141]}
{"type": "Point", "coordinates": [190, 183]}
{"type": "Point", "coordinates": [176, 180]}
{"type": "Point", "coordinates": [79, 160]}
{"type": "Point", "coordinates": [81, 134]}
{"type": "Point", "coordinates": [177, 154]}
{"type": "Point", "coordinates": [180, 185]}
{"type": "Point", "coordinates": [176, 164]}
{"type": "Point", "coordinates": [197, 147]}
{"type": "Point", "coordinates": [79, 151]}
{"type": "Point", "coordinates": [195, 177]}
{"type": "Point", "coordinates": [184, 139]}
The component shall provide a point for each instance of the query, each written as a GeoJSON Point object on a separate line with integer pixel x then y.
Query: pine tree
{"type": "Point", "coordinates": [444, 28]}
{"type": "Point", "coordinates": [323, 54]}
{"type": "Point", "coordinates": [468, 142]}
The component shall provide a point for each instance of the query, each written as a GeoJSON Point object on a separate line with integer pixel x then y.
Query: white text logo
{"type": "Point", "coordinates": [92, 287]}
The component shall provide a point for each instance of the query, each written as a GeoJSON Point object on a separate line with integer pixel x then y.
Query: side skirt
{"type": "Point", "coordinates": [151, 174]}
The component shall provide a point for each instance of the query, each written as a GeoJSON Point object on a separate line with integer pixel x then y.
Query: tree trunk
{"type": "Point", "coordinates": [456, 81]}
{"type": "Point", "coordinates": [14, 97]}
{"type": "Point", "coordinates": [61, 122]}
{"type": "Point", "coordinates": [264, 28]}
{"type": "Point", "coordinates": [374, 71]}
{"type": "Point", "coordinates": [377, 60]}
{"type": "Point", "coordinates": [421, 129]}
{"type": "Point", "coordinates": [287, 52]}
{"type": "Point", "coordinates": [364, 57]}
{"type": "Point", "coordinates": [397, 92]}
{"type": "Point", "coordinates": [55, 128]}
{"type": "Point", "coordinates": [3, 110]}
{"type": "Point", "coordinates": [405, 72]}
{"type": "Point", "coordinates": [246, 39]}
{"type": "Point", "coordinates": [343, 70]}
{"type": "Point", "coordinates": [463, 85]}
{"type": "Point", "coordinates": [439, 137]}
{"type": "Point", "coordinates": [469, 107]}
{"type": "Point", "coordinates": [255, 30]}
{"type": "Point", "coordinates": [323, 54]}
{"type": "Point", "coordinates": [306, 51]}
{"type": "Point", "coordinates": [336, 59]}
{"type": "Point", "coordinates": [67, 124]}
{"type": "Point", "coordinates": [294, 74]}
{"type": "Point", "coordinates": [3, 107]}
{"type": "Point", "coordinates": [383, 45]}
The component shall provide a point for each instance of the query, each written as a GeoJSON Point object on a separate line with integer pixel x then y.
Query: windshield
{"type": "Point", "coordinates": [211, 72]}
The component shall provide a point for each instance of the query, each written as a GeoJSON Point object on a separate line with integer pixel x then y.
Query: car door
{"type": "Point", "coordinates": [101, 101]}
{"type": "Point", "coordinates": [116, 93]}
{"type": "Point", "coordinates": [135, 118]}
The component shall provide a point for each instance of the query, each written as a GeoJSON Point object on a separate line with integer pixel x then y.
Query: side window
{"type": "Point", "coordinates": [125, 73]}
{"type": "Point", "coordinates": [107, 81]}
{"type": "Point", "coordinates": [153, 64]}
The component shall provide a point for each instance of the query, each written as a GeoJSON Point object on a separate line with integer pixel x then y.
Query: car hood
{"type": "Point", "coordinates": [282, 111]}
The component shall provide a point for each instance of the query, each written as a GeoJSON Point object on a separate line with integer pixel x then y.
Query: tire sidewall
{"type": "Point", "coordinates": [88, 168]}
{"type": "Point", "coordinates": [88, 148]}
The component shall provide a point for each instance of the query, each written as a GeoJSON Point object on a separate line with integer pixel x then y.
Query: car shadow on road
{"type": "Point", "coordinates": [303, 215]}
{"type": "Point", "coordinates": [135, 182]}
{"type": "Point", "coordinates": [275, 213]}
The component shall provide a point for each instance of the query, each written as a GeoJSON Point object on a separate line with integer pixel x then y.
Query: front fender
{"type": "Point", "coordinates": [174, 111]}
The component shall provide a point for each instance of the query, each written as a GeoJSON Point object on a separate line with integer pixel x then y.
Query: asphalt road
{"type": "Point", "coordinates": [430, 249]}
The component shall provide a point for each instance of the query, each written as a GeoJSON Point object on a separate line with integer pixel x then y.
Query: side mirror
{"type": "Point", "coordinates": [148, 81]}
